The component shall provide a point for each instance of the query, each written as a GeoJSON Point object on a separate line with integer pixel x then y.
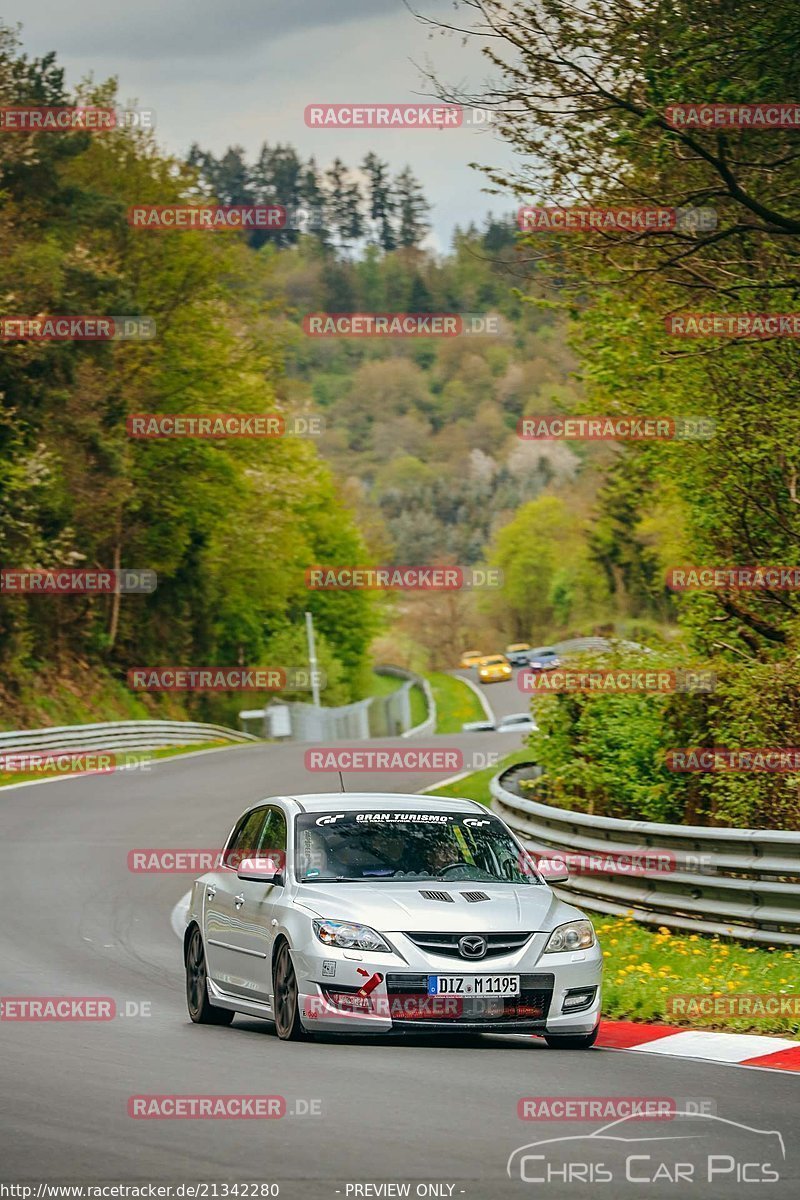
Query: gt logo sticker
{"type": "Point", "coordinates": [329, 819]}
{"type": "Point", "coordinates": [474, 821]}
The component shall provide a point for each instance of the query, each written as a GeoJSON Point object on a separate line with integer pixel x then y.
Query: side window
{"type": "Point", "coordinates": [245, 840]}
{"type": "Point", "coordinates": [273, 835]}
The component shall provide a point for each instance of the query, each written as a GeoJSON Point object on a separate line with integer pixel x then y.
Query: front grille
{"type": "Point", "coordinates": [409, 1003]}
{"type": "Point", "coordinates": [447, 943]}
{"type": "Point", "coordinates": [445, 897]}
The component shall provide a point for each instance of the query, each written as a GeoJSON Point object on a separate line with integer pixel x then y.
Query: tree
{"type": "Point", "coordinates": [381, 202]}
{"type": "Point", "coordinates": [412, 209]}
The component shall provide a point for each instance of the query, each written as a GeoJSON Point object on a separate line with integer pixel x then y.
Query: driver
{"type": "Point", "coordinates": [444, 854]}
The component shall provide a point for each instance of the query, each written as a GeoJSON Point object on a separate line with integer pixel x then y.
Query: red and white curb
{"type": "Point", "coordinates": [739, 1049]}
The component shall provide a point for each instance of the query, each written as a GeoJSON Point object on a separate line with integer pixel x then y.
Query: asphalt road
{"type": "Point", "coordinates": [503, 698]}
{"type": "Point", "coordinates": [77, 922]}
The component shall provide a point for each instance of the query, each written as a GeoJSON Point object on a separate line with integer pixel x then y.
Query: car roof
{"type": "Point", "coordinates": [360, 801]}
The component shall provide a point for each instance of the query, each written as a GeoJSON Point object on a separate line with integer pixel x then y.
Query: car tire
{"type": "Point", "coordinates": [572, 1041]}
{"type": "Point", "coordinates": [201, 1010]}
{"type": "Point", "coordinates": [286, 1004]}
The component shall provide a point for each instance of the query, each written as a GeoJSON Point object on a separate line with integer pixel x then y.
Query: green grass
{"type": "Point", "coordinates": [645, 967]}
{"type": "Point", "coordinates": [384, 685]}
{"type": "Point", "coordinates": [419, 707]}
{"type": "Point", "coordinates": [476, 785]}
{"type": "Point", "coordinates": [455, 702]}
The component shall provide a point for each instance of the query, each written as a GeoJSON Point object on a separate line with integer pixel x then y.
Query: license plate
{"type": "Point", "coordinates": [473, 985]}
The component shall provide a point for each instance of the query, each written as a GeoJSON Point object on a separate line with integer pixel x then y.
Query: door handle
{"type": "Point", "coordinates": [239, 900]}
{"type": "Point", "coordinates": [211, 891]}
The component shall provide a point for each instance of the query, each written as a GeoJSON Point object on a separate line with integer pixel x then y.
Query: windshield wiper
{"type": "Point", "coordinates": [336, 879]}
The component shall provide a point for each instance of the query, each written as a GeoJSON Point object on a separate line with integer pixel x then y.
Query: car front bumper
{"type": "Point", "coordinates": [344, 991]}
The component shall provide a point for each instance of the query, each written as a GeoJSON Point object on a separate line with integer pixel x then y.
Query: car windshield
{"type": "Point", "coordinates": [493, 662]}
{"type": "Point", "coordinates": [392, 844]}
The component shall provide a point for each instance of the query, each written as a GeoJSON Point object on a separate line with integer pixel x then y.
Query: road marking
{"type": "Point", "coordinates": [155, 762]}
{"type": "Point", "coordinates": [487, 708]}
{"type": "Point", "coordinates": [721, 1047]}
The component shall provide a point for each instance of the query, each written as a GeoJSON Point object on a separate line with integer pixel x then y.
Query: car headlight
{"type": "Point", "coordinates": [575, 935]}
{"type": "Point", "coordinates": [349, 936]}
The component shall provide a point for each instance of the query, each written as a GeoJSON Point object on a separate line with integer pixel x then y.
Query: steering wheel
{"type": "Point", "coordinates": [453, 866]}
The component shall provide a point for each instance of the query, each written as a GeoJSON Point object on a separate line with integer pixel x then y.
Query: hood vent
{"type": "Point", "coordinates": [474, 897]}
{"type": "Point", "coordinates": [443, 896]}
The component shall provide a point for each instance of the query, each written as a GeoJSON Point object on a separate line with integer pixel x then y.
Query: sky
{"type": "Point", "coordinates": [227, 72]}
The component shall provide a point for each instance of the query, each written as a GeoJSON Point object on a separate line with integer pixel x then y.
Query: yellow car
{"type": "Point", "coordinates": [494, 669]}
{"type": "Point", "coordinates": [471, 658]}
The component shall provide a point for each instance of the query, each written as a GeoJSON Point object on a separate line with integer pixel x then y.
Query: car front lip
{"type": "Point", "coordinates": [369, 972]}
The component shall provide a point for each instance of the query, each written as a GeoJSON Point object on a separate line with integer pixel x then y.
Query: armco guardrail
{"type": "Point", "coordinates": [742, 883]}
{"type": "Point", "coordinates": [374, 717]}
{"type": "Point", "coordinates": [119, 735]}
{"type": "Point", "coordinates": [404, 696]}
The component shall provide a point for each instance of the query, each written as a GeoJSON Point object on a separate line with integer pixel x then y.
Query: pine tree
{"type": "Point", "coordinates": [412, 208]}
{"type": "Point", "coordinates": [381, 201]}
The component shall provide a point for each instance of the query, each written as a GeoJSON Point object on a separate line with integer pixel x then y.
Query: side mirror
{"type": "Point", "coordinates": [260, 870]}
{"type": "Point", "coordinates": [553, 870]}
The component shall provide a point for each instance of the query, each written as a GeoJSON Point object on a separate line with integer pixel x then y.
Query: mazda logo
{"type": "Point", "coordinates": [472, 946]}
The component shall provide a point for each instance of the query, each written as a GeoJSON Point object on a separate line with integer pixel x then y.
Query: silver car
{"type": "Point", "coordinates": [380, 914]}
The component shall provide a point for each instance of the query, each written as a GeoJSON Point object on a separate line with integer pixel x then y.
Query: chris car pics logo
{"type": "Point", "coordinates": [696, 1149]}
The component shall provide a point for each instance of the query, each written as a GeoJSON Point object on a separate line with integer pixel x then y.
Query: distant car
{"type": "Point", "coordinates": [544, 659]}
{"type": "Point", "coordinates": [494, 669]}
{"type": "Point", "coordinates": [517, 654]}
{"type": "Point", "coordinates": [471, 658]}
{"type": "Point", "coordinates": [519, 722]}
{"type": "Point", "coordinates": [516, 722]}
